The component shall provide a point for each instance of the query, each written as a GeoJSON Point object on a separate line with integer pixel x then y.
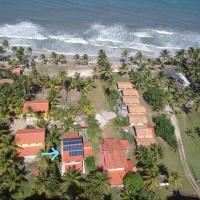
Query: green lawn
{"type": "Point", "coordinates": [191, 144]}
{"type": "Point", "coordinates": [172, 161]}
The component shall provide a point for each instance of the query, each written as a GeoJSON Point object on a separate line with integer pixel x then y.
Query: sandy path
{"type": "Point", "coordinates": [186, 168]}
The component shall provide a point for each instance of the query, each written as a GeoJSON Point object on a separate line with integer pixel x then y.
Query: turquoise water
{"type": "Point", "coordinates": [75, 26]}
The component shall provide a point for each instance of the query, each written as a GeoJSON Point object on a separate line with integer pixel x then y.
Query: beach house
{"type": "Point", "coordinates": [36, 106]}
{"type": "Point", "coordinates": [74, 151]}
{"type": "Point", "coordinates": [113, 160]}
{"type": "Point", "coordinates": [29, 142]}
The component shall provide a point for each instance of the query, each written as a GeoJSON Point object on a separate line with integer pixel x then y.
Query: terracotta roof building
{"type": "Point", "coordinates": [137, 119]}
{"type": "Point", "coordinates": [145, 135]}
{"type": "Point", "coordinates": [136, 109]}
{"type": "Point", "coordinates": [74, 151]}
{"type": "Point", "coordinates": [16, 71]}
{"type": "Point", "coordinates": [128, 100]}
{"type": "Point", "coordinates": [124, 85]}
{"type": "Point", "coordinates": [36, 106]}
{"type": "Point", "coordinates": [113, 154]}
{"type": "Point", "coordinates": [130, 92]}
{"type": "Point", "coordinates": [8, 81]}
{"type": "Point", "coordinates": [30, 141]}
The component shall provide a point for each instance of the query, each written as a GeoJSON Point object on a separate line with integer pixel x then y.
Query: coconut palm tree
{"type": "Point", "coordinates": [5, 44]}
{"type": "Point", "coordinates": [164, 55]}
{"type": "Point", "coordinates": [62, 59]}
{"type": "Point", "coordinates": [76, 59]}
{"type": "Point", "coordinates": [97, 186]}
{"type": "Point", "coordinates": [106, 72]}
{"type": "Point", "coordinates": [53, 138]}
{"type": "Point", "coordinates": [84, 59]}
{"type": "Point", "coordinates": [43, 58]}
{"type": "Point", "coordinates": [47, 185]}
{"type": "Point", "coordinates": [29, 51]}
{"type": "Point", "coordinates": [124, 55]}
{"type": "Point", "coordinates": [123, 69]}
{"type": "Point", "coordinates": [175, 180]}
{"type": "Point", "coordinates": [54, 58]}
{"type": "Point", "coordinates": [1, 50]}
{"type": "Point", "coordinates": [95, 73]}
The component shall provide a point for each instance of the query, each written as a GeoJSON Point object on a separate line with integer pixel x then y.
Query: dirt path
{"type": "Point", "coordinates": [186, 168]}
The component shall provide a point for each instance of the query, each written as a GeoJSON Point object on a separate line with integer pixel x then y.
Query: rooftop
{"type": "Point", "coordinates": [137, 119]}
{"type": "Point", "coordinates": [30, 141]}
{"type": "Point", "coordinates": [124, 85]}
{"type": "Point", "coordinates": [130, 92]}
{"type": "Point", "coordinates": [130, 100]}
{"type": "Point", "coordinates": [36, 106]}
{"type": "Point", "coordinates": [136, 108]}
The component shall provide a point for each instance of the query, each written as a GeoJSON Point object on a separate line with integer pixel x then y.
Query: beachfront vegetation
{"type": "Point", "coordinates": [157, 90]}
{"type": "Point", "coordinates": [165, 130]}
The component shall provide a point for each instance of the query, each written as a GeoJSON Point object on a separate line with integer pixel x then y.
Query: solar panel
{"type": "Point", "coordinates": [76, 153]}
{"type": "Point", "coordinates": [67, 141]}
{"type": "Point", "coordinates": [71, 148]}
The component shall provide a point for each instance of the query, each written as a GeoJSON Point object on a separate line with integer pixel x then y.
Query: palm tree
{"type": "Point", "coordinates": [54, 58]}
{"type": "Point", "coordinates": [164, 55]}
{"type": "Point", "coordinates": [29, 51]}
{"type": "Point", "coordinates": [97, 186]}
{"type": "Point", "coordinates": [53, 138]}
{"type": "Point", "coordinates": [62, 59]}
{"type": "Point", "coordinates": [151, 178]}
{"type": "Point", "coordinates": [175, 180]}
{"type": "Point", "coordinates": [14, 50]}
{"type": "Point", "coordinates": [124, 54]}
{"type": "Point", "coordinates": [5, 44]}
{"type": "Point", "coordinates": [76, 59]}
{"type": "Point", "coordinates": [106, 72]}
{"type": "Point", "coordinates": [124, 69]}
{"type": "Point", "coordinates": [43, 58]}
{"type": "Point", "coordinates": [47, 185]}
{"type": "Point", "coordinates": [1, 50]}
{"type": "Point", "coordinates": [84, 59]}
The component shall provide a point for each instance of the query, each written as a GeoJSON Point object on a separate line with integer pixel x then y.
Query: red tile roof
{"type": "Point", "coordinates": [124, 85]}
{"type": "Point", "coordinates": [88, 149]}
{"type": "Point", "coordinates": [9, 81]}
{"type": "Point", "coordinates": [37, 106]}
{"type": "Point", "coordinates": [137, 119]}
{"type": "Point", "coordinates": [130, 92]}
{"type": "Point", "coordinates": [30, 141]}
{"type": "Point", "coordinates": [113, 159]}
{"type": "Point", "coordinates": [130, 100]}
{"type": "Point", "coordinates": [136, 108]}
{"type": "Point", "coordinates": [116, 178]}
{"type": "Point", "coordinates": [16, 71]}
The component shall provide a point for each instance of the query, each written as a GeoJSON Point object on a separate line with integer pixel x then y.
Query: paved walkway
{"type": "Point", "coordinates": [186, 168]}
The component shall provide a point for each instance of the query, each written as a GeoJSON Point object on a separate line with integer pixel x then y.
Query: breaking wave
{"type": "Point", "coordinates": [113, 39]}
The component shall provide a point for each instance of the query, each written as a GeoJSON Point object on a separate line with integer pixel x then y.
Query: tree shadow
{"type": "Point", "coordinates": [178, 196]}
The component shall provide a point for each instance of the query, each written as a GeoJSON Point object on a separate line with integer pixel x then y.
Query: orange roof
{"type": "Point", "coordinates": [130, 100]}
{"type": "Point", "coordinates": [76, 166]}
{"type": "Point", "coordinates": [37, 106]}
{"type": "Point", "coordinates": [124, 85]}
{"type": "Point", "coordinates": [145, 141]}
{"type": "Point", "coordinates": [116, 178]}
{"type": "Point", "coordinates": [30, 141]}
{"type": "Point", "coordinates": [29, 136]}
{"type": "Point", "coordinates": [9, 81]}
{"type": "Point", "coordinates": [16, 71]}
{"type": "Point", "coordinates": [88, 149]}
{"type": "Point", "coordinates": [136, 108]}
{"type": "Point", "coordinates": [130, 92]}
{"type": "Point", "coordinates": [137, 119]}
{"type": "Point", "coordinates": [145, 132]}
{"type": "Point", "coordinates": [113, 153]}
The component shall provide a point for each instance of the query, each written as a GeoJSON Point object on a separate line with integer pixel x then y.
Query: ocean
{"type": "Point", "coordinates": [86, 26]}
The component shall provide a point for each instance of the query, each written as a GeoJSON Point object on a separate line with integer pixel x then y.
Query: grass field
{"type": "Point", "coordinates": [172, 161]}
{"type": "Point", "coordinates": [191, 143]}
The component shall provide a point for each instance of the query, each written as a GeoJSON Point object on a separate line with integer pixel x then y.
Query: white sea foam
{"type": "Point", "coordinates": [164, 32]}
{"type": "Point", "coordinates": [112, 38]}
{"type": "Point", "coordinates": [142, 34]}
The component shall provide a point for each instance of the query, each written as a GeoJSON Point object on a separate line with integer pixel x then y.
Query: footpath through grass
{"type": "Point", "coordinates": [192, 142]}
{"type": "Point", "coordinates": [171, 160]}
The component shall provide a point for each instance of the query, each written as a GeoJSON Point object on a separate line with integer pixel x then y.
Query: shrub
{"type": "Point", "coordinates": [165, 130]}
{"type": "Point", "coordinates": [155, 97]}
{"type": "Point", "coordinates": [90, 164]}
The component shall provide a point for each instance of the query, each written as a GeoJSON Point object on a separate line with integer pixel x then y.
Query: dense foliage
{"type": "Point", "coordinates": [165, 130]}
